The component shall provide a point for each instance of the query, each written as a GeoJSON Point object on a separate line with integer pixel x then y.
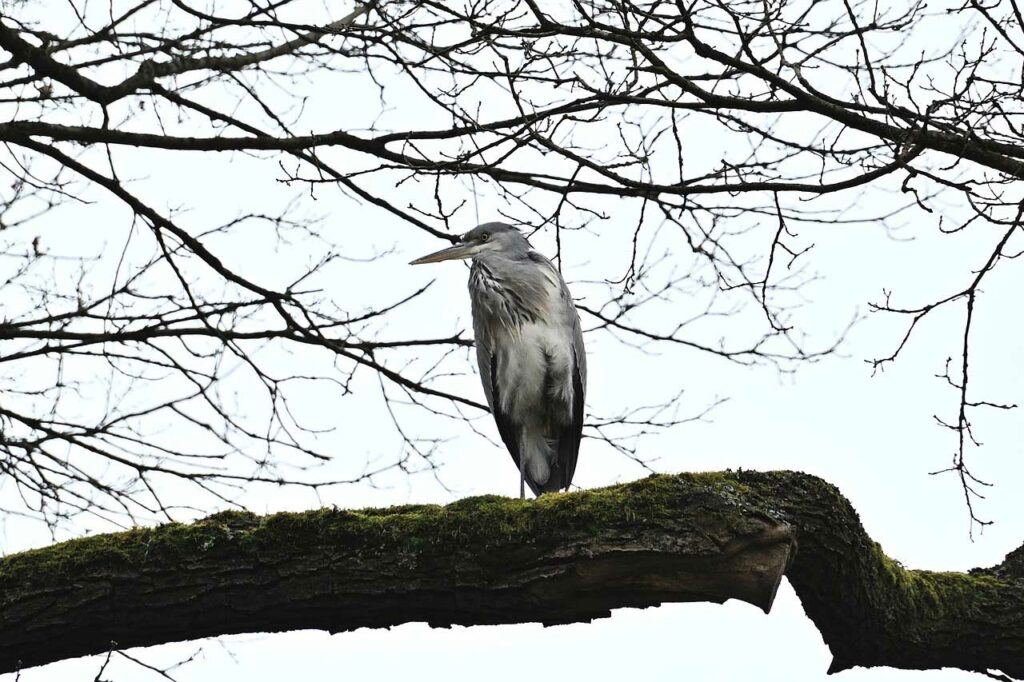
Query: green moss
{"type": "Point", "coordinates": [931, 594]}
{"type": "Point", "coordinates": [134, 547]}
{"type": "Point", "coordinates": [477, 521]}
{"type": "Point", "coordinates": [232, 518]}
{"type": "Point", "coordinates": [723, 481]}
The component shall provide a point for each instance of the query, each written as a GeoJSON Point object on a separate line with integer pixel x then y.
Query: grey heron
{"type": "Point", "coordinates": [529, 348]}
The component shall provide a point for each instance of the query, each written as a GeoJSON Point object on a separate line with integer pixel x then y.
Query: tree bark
{"type": "Point", "coordinates": [486, 560]}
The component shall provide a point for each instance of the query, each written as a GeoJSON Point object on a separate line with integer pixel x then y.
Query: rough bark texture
{"type": "Point", "coordinates": [563, 558]}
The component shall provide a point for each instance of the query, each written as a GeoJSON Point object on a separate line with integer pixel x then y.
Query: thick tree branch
{"type": "Point", "coordinates": [563, 558]}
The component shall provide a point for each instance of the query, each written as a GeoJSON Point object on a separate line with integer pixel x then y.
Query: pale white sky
{"type": "Point", "coordinates": [874, 437]}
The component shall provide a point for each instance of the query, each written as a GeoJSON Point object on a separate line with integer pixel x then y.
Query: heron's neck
{"type": "Point", "coordinates": [508, 293]}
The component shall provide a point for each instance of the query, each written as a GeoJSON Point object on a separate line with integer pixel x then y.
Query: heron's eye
{"type": "Point", "coordinates": [484, 237]}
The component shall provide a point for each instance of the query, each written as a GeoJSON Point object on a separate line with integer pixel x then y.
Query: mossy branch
{"type": "Point", "coordinates": [562, 558]}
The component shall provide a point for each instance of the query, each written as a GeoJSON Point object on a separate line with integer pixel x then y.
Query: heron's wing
{"type": "Point", "coordinates": [505, 427]}
{"type": "Point", "coordinates": [569, 439]}
{"type": "Point", "coordinates": [484, 363]}
{"type": "Point", "coordinates": [488, 360]}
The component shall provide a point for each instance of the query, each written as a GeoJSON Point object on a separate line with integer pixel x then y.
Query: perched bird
{"type": "Point", "coordinates": [529, 348]}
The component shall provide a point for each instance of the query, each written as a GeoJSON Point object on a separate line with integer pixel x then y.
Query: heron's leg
{"type": "Point", "coordinates": [522, 477]}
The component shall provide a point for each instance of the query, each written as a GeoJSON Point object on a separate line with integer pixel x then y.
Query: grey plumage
{"type": "Point", "coordinates": [529, 349]}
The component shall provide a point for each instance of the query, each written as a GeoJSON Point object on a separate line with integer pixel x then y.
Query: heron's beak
{"type": "Point", "coordinates": [451, 253]}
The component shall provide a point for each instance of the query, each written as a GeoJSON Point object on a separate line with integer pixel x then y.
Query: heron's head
{"type": "Point", "coordinates": [489, 238]}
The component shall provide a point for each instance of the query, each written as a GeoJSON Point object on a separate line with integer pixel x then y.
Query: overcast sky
{"type": "Point", "coordinates": [873, 436]}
